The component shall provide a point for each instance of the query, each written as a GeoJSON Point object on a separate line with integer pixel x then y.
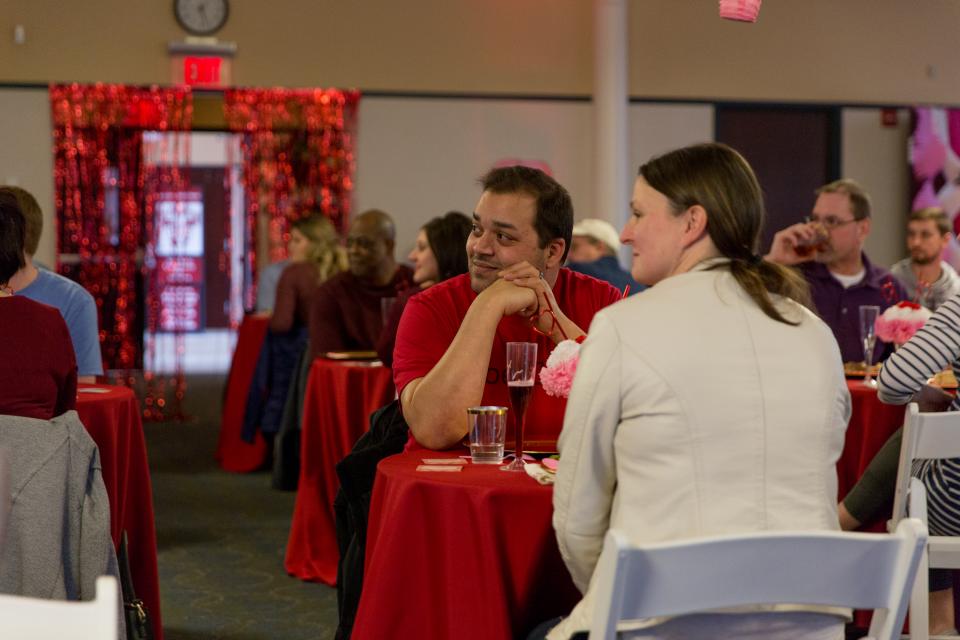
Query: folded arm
{"type": "Point", "coordinates": [434, 406]}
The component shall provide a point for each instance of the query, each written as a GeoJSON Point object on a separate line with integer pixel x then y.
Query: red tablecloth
{"type": "Point", "coordinates": [113, 421]}
{"type": "Point", "coordinates": [871, 424]}
{"type": "Point", "coordinates": [339, 399]}
{"type": "Point", "coordinates": [233, 452]}
{"type": "Point", "coordinates": [470, 554]}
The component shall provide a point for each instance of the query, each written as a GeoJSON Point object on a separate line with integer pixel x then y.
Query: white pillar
{"type": "Point", "coordinates": [612, 175]}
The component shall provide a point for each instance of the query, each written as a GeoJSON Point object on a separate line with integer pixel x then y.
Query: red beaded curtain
{"type": "Point", "coordinates": [298, 157]}
{"type": "Point", "coordinates": [103, 201]}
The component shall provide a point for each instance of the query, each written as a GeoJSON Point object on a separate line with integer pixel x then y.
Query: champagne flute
{"type": "Point", "coordinates": [868, 334]}
{"type": "Point", "coordinates": [521, 371]}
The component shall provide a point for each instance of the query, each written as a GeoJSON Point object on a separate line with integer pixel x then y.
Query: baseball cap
{"type": "Point", "coordinates": [598, 230]}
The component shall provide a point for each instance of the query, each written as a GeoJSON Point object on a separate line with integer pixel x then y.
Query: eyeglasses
{"type": "Point", "coordinates": [830, 222]}
{"type": "Point", "coordinates": [554, 323]}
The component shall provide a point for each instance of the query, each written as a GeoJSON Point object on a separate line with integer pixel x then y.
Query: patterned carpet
{"type": "Point", "coordinates": [221, 540]}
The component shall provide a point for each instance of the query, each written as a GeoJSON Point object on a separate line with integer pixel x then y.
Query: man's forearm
{"type": "Point", "coordinates": [434, 406]}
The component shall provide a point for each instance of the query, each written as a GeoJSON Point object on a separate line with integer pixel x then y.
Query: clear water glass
{"type": "Point", "coordinates": [868, 335]}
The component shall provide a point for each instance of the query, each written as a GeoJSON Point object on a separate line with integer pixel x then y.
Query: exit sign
{"type": "Point", "coordinates": [202, 63]}
{"type": "Point", "coordinates": [202, 71]}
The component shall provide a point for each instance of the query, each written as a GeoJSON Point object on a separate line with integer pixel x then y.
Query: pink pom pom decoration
{"type": "Point", "coordinates": [742, 10]}
{"type": "Point", "coordinates": [557, 376]}
{"type": "Point", "coordinates": [898, 323]}
{"type": "Point", "coordinates": [557, 380]}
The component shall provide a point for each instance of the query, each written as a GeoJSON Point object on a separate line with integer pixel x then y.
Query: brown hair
{"type": "Point", "coordinates": [447, 236]}
{"type": "Point", "coordinates": [12, 232]}
{"type": "Point", "coordinates": [32, 216]}
{"type": "Point", "coordinates": [718, 179]}
{"type": "Point", "coordinates": [554, 218]}
{"type": "Point", "coordinates": [325, 253]}
{"type": "Point", "coordinates": [936, 214]}
{"type": "Point", "coordinates": [859, 198]}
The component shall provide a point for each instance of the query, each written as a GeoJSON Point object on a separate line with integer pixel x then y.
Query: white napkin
{"type": "Point", "coordinates": [538, 473]}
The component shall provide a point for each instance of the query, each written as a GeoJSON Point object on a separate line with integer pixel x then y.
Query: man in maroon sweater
{"type": "Point", "coordinates": [346, 312]}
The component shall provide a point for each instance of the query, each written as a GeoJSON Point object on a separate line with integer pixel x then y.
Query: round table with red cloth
{"type": "Point", "coordinates": [467, 554]}
{"type": "Point", "coordinates": [339, 398]}
{"type": "Point", "coordinates": [234, 453]}
{"type": "Point", "coordinates": [871, 425]}
{"type": "Point", "coordinates": [111, 416]}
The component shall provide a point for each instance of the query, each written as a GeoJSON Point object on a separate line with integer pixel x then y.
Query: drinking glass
{"type": "Point", "coordinates": [521, 370]}
{"type": "Point", "coordinates": [868, 334]}
{"type": "Point", "coordinates": [386, 306]}
{"type": "Point", "coordinates": [818, 242]}
{"type": "Point", "coordinates": [487, 427]}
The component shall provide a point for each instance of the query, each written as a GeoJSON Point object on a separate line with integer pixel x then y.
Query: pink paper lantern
{"type": "Point", "coordinates": [742, 10]}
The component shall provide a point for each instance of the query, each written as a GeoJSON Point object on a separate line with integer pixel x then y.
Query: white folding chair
{"type": "Point", "coordinates": [36, 619]}
{"type": "Point", "coordinates": [856, 570]}
{"type": "Point", "coordinates": [925, 436]}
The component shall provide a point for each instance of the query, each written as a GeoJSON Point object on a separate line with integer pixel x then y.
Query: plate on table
{"type": "Point", "coordinates": [944, 380]}
{"type": "Point", "coordinates": [858, 369]}
{"type": "Point", "coordinates": [537, 448]}
{"type": "Point", "coordinates": [350, 355]}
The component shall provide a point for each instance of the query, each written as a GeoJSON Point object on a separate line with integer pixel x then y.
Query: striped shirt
{"type": "Point", "coordinates": [935, 346]}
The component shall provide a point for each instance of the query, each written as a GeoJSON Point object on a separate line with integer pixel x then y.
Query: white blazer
{"type": "Point", "coordinates": [692, 414]}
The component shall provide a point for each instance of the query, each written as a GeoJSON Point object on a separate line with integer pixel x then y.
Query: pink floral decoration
{"type": "Point", "coordinates": [742, 10]}
{"type": "Point", "coordinates": [898, 323]}
{"type": "Point", "coordinates": [557, 376]}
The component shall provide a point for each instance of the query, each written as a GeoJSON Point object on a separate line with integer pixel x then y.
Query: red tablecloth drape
{"type": "Point", "coordinates": [233, 452]}
{"type": "Point", "coordinates": [339, 399]}
{"type": "Point", "coordinates": [871, 424]}
{"type": "Point", "coordinates": [468, 554]}
{"type": "Point", "coordinates": [111, 416]}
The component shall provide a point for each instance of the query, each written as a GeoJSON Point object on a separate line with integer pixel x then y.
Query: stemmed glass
{"type": "Point", "coordinates": [868, 335]}
{"type": "Point", "coordinates": [521, 370]}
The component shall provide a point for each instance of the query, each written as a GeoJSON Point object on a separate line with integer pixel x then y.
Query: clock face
{"type": "Point", "coordinates": [201, 17]}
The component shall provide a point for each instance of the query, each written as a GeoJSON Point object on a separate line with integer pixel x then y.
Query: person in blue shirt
{"type": "Point", "coordinates": [75, 303]}
{"type": "Point", "coordinates": [594, 252]}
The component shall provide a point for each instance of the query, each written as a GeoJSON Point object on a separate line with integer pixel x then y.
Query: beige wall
{"type": "Point", "coordinates": [26, 155]}
{"type": "Point", "coordinates": [418, 158]}
{"type": "Point", "coordinates": [854, 51]}
{"type": "Point", "coordinates": [876, 157]}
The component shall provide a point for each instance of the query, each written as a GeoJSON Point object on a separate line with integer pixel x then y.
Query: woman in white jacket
{"type": "Point", "coordinates": [713, 403]}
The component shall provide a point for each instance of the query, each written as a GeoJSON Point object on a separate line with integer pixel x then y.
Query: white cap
{"type": "Point", "coordinates": [598, 230]}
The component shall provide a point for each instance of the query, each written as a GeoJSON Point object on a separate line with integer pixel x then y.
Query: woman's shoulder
{"type": "Point", "coordinates": [24, 305]}
{"type": "Point", "coordinates": [27, 312]}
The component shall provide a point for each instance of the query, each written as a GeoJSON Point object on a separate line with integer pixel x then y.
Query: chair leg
{"type": "Point", "coordinates": [919, 601]}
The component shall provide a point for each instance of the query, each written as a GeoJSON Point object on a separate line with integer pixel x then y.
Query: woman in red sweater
{"type": "Point", "coordinates": [38, 375]}
{"type": "Point", "coordinates": [315, 255]}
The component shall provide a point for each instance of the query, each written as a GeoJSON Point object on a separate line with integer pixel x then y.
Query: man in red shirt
{"type": "Point", "coordinates": [451, 344]}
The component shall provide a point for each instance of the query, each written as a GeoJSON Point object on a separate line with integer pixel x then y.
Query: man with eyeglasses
{"type": "Point", "coordinates": [828, 250]}
{"type": "Point", "coordinates": [346, 313]}
{"type": "Point", "coordinates": [929, 280]}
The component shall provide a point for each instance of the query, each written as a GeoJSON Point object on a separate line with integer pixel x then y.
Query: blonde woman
{"type": "Point", "coordinates": [315, 255]}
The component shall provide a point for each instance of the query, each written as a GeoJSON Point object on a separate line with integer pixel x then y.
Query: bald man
{"type": "Point", "coordinates": [346, 312]}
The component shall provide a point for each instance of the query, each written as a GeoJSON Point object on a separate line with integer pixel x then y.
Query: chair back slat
{"type": "Point", "coordinates": [925, 436]}
{"type": "Point", "coordinates": [863, 571]}
{"type": "Point", "coordinates": [37, 619]}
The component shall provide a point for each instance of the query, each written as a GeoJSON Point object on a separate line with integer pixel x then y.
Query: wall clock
{"type": "Point", "coordinates": [201, 17]}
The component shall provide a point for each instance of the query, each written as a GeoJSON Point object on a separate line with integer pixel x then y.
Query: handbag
{"type": "Point", "coordinates": [135, 614]}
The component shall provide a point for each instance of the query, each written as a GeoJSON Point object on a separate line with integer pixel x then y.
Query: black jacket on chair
{"type": "Point", "coordinates": [386, 437]}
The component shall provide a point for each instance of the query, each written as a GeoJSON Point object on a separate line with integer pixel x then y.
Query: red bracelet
{"type": "Point", "coordinates": [581, 338]}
